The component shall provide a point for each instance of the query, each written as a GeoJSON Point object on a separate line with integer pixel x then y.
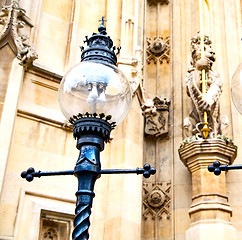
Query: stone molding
{"type": "Point", "coordinates": [201, 153]}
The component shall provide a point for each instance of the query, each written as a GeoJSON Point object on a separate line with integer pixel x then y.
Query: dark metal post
{"type": "Point", "coordinates": [87, 170]}
{"type": "Point", "coordinates": [90, 132]}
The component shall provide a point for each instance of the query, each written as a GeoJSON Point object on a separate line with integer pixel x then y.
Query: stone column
{"type": "Point", "coordinates": [210, 212]}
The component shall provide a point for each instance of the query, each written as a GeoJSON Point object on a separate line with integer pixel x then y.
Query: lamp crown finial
{"type": "Point", "coordinates": [100, 47]}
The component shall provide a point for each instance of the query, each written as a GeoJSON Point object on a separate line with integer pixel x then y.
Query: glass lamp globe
{"type": "Point", "coordinates": [236, 88]}
{"type": "Point", "coordinates": [95, 87]}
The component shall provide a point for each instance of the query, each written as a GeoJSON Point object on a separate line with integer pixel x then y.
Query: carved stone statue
{"type": "Point", "coordinates": [202, 102]}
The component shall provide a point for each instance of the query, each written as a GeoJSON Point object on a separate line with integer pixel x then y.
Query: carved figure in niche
{"type": "Point", "coordinates": [156, 116]}
{"type": "Point", "coordinates": [50, 234]}
{"type": "Point", "coordinates": [202, 102]}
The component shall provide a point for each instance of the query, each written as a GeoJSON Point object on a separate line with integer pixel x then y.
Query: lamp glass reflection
{"type": "Point", "coordinates": [95, 88]}
{"type": "Point", "coordinates": [236, 88]}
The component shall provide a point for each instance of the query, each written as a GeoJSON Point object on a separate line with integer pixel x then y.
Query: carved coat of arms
{"type": "Point", "coordinates": [156, 117]}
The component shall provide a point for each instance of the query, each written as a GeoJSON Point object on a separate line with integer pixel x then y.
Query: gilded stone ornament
{"type": "Point", "coordinates": [203, 102]}
{"type": "Point", "coordinates": [12, 18]}
{"type": "Point", "coordinates": [156, 116]}
{"type": "Point", "coordinates": [158, 50]}
{"type": "Point", "coordinates": [156, 200]}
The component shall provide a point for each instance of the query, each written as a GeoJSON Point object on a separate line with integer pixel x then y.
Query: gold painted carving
{"type": "Point", "coordinates": [158, 50]}
{"type": "Point", "coordinates": [13, 18]}
{"type": "Point", "coordinates": [156, 116]}
{"type": "Point", "coordinates": [156, 200]}
{"type": "Point", "coordinates": [203, 102]}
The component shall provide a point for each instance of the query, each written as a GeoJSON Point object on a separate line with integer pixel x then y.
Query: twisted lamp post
{"type": "Point", "coordinates": [95, 96]}
{"type": "Point", "coordinates": [236, 89]}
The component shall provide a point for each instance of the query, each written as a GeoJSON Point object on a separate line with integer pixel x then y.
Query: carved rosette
{"type": "Point", "coordinates": [156, 116]}
{"type": "Point", "coordinates": [156, 200]}
{"type": "Point", "coordinates": [13, 18]}
{"type": "Point", "coordinates": [158, 50]}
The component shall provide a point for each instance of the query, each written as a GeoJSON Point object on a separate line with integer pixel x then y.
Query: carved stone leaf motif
{"type": "Point", "coordinates": [158, 50]}
{"type": "Point", "coordinates": [156, 200]}
{"type": "Point", "coordinates": [13, 18]}
{"type": "Point", "coordinates": [156, 117]}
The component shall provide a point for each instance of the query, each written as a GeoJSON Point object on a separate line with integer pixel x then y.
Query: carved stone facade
{"type": "Point", "coordinates": [157, 200]}
{"type": "Point", "coordinates": [156, 117]}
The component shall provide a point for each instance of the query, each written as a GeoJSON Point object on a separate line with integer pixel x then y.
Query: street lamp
{"type": "Point", "coordinates": [94, 96]}
{"type": "Point", "coordinates": [236, 89]}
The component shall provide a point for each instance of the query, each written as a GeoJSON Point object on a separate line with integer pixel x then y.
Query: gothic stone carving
{"type": "Point", "coordinates": [202, 102]}
{"type": "Point", "coordinates": [156, 200]}
{"type": "Point", "coordinates": [12, 18]}
{"type": "Point", "coordinates": [50, 234]}
{"type": "Point", "coordinates": [156, 116]}
{"type": "Point", "coordinates": [158, 50]}
{"type": "Point", "coordinates": [154, 2]}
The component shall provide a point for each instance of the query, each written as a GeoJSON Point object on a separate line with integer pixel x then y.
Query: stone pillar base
{"type": "Point", "coordinates": [211, 231]}
{"type": "Point", "coordinates": [210, 211]}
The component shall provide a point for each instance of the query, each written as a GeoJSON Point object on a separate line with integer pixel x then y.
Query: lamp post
{"type": "Point", "coordinates": [236, 89]}
{"type": "Point", "coordinates": [95, 96]}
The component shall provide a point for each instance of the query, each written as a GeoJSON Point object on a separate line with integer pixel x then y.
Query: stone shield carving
{"type": "Point", "coordinates": [156, 116]}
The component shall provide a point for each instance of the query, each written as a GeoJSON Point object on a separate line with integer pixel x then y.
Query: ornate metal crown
{"type": "Point", "coordinates": [100, 47]}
